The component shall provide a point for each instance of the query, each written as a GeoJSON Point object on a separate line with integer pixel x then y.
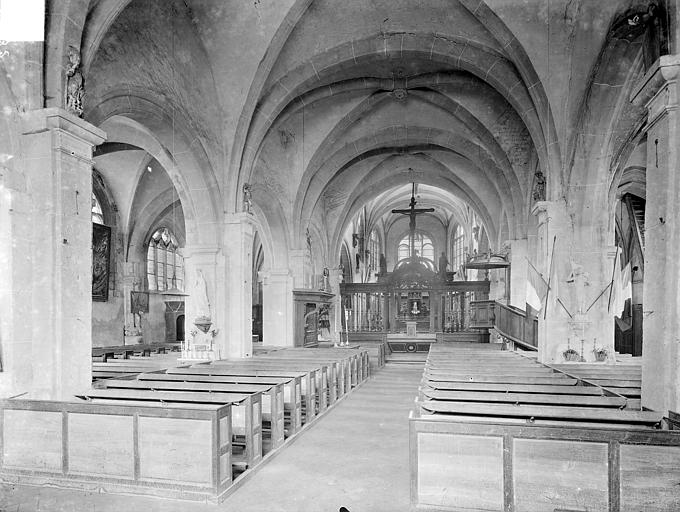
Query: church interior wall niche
{"type": "Point", "coordinates": [101, 252]}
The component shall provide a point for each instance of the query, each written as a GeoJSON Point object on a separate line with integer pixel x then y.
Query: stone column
{"type": "Point", "coordinates": [576, 315]}
{"type": "Point", "coordinates": [518, 272]}
{"type": "Point", "coordinates": [55, 300]}
{"type": "Point", "coordinates": [238, 288]}
{"type": "Point", "coordinates": [553, 330]}
{"type": "Point", "coordinates": [658, 91]}
{"type": "Point", "coordinates": [299, 266]}
{"type": "Point", "coordinates": [335, 278]}
{"type": "Point", "coordinates": [277, 308]}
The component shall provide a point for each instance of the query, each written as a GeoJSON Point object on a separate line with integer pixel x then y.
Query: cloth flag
{"type": "Point", "coordinates": [619, 291]}
{"type": "Point", "coordinates": [536, 288]}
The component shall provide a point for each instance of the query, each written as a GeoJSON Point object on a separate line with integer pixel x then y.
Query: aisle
{"type": "Point", "coordinates": [355, 456]}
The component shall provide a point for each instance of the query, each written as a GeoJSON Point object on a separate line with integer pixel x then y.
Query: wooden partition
{"type": "Point", "coordinates": [180, 451]}
{"type": "Point", "coordinates": [470, 465]}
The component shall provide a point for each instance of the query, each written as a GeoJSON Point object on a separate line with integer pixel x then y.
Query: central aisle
{"type": "Point", "coordinates": [355, 456]}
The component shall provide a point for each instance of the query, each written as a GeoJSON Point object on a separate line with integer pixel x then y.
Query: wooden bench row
{"type": "Point", "coordinates": [103, 354]}
{"type": "Point", "coordinates": [241, 410]}
{"type": "Point", "coordinates": [483, 383]}
{"type": "Point", "coordinates": [535, 437]}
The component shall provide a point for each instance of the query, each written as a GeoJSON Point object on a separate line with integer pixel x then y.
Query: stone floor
{"type": "Point", "coordinates": [355, 456]}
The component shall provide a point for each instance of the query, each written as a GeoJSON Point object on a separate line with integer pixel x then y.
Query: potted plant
{"type": "Point", "coordinates": [570, 354]}
{"type": "Point", "coordinates": [601, 353]}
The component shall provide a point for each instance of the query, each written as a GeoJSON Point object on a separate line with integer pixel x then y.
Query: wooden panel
{"type": "Point", "coordinates": [225, 430]}
{"type": "Point", "coordinates": [554, 475]}
{"type": "Point", "coordinates": [460, 471]}
{"type": "Point", "coordinates": [517, 388]}
{"type": "Point", "coordinates": [543, 411]}
{"type": "Point", "coordinates": [32, 440]}
{"type": "Point", "coordinates": [100, 444]}
{"type": "Point", "coordinates": [178, 450]}
{"type": "Point", "coordinates": [650, 478]}
{"type": "Point", "coordinates": [225, 466]}
{"type": "Point", "coordinates": [545, 398]}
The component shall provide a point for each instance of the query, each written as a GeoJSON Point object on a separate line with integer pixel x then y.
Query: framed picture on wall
{"type": "Point", "coordinates": [101, 252]}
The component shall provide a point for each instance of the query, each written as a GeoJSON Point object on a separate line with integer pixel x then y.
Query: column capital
{"type": "Point", "coordinates": [545, 210]}
{"type": "Point", "coordinates": [200, 250]}
{"type": "Point", "coordinates": [275, 275]}
{"type": "Point", "coordinates": [662, 72]}
{"type": "Point", "coordinates": [240, 218]}
{"type": "Point", "coordinates": [55, 118]}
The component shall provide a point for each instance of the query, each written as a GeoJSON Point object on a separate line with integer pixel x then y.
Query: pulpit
{"type": "Point", "coordinates": [309, 305]}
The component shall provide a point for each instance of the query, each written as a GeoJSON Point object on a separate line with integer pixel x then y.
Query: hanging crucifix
{"type": "Point", "coordinates": [412, 212]}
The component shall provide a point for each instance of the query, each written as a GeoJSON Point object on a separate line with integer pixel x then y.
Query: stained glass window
{"type": "Point", "coordinates": [164, 264]}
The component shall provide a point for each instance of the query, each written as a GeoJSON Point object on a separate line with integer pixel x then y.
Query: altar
{"type": "Point", "coordinates": [412, 302]}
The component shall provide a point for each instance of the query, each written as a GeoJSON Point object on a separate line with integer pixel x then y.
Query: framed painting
{"type": "Point", "coordinates": [101, 253]}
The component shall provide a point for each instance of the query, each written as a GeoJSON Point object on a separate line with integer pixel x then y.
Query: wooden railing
{"type": "Point", "coordinates": [512, 323]}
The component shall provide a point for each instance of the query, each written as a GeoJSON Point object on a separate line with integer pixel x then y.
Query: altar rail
{"type": "Point", "coordinates": [179, 451]}
{"type": "Point", "coordinates": [511, 323]}
{"type": "Point", "coordinates": [475, 465]}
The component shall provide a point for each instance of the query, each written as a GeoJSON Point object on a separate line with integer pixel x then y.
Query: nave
{"type": "Point", "coordinates": [355, 456]}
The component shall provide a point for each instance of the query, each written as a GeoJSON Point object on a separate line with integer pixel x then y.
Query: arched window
{"type": "Point", "coordinates": [97, 212]}
{"type": "Point", "coordinates": [422, 245]}
{"type": "Point", "coordinates": [458, 249]}
{"type": "Point", "coordinates": [164, 265]}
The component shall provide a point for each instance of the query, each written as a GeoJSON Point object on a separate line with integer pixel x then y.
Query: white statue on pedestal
{"type": "Point", "coordinates": [201, 344]}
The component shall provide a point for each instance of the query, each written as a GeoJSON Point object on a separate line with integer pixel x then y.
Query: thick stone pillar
{"type": "Point", "coordinates": [299, 266]}
{"type": "Point", "coordinates": [575, 315]}
{"type": "Point", "coordinates": [277, 308]}
{"type": "Point", "coordinates": [658, 91]}
{"type": "Point", "coordinates": [53, 300]}
{"type": "Point", "coordinates": [239, 231]}
{"type": "Point", "coordinates": [518, 272]}
{"type": "Point", "coordinates": [335, 277]}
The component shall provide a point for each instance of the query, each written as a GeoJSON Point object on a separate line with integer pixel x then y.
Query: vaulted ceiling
{"type": "Point", "coordinates": [324, 106]}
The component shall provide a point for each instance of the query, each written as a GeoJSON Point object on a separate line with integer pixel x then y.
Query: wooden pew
{"type": "Point", "coordinates": [246, 410]}
{"type": "Point", "coordinates": [272, 398]}
{"type": "Point", "coordinates": [305, 385]}
{"type": "Point", "coordinates": [560, 388]}
{"type": "Point", "coordinates": [292, 390]}
{"type": "Point", "coordinates": [500, 379]}
{"type": "Point", "coordinates": [524, 398]}
{"type": "Point", "coordinates": [336, 369]}
{"type": "Point", "coordinates": [523, 467]}
{"type": "Point", "coordinates": [314, 385]}
{"type": "Point", "coordinates": [132, 448]}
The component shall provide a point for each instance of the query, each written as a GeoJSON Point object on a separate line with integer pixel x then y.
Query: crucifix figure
{"type": "Point", "coordinates": [412, 212]}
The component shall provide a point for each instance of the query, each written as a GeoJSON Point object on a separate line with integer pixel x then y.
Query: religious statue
{"type": "Point", "coordinates": [326, 285]}
{"type": "Point", "coordinates": [201, 296]}
{"type": "Point", "coordinates": [383, 265]}
{"type": "Point", "coordinates": [247, 198]}
{"type": "Point", "coordinates": [412, 212]}
{"type": "Point", "coordinates": [539, 186]}
{"type": "Point", "coordinates": [75, 90]}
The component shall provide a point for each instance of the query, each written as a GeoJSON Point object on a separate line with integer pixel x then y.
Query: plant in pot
{"type": "Point", "coordinates": [600, 352]}
{"type": "Point", "coordinates": [570, 354]}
